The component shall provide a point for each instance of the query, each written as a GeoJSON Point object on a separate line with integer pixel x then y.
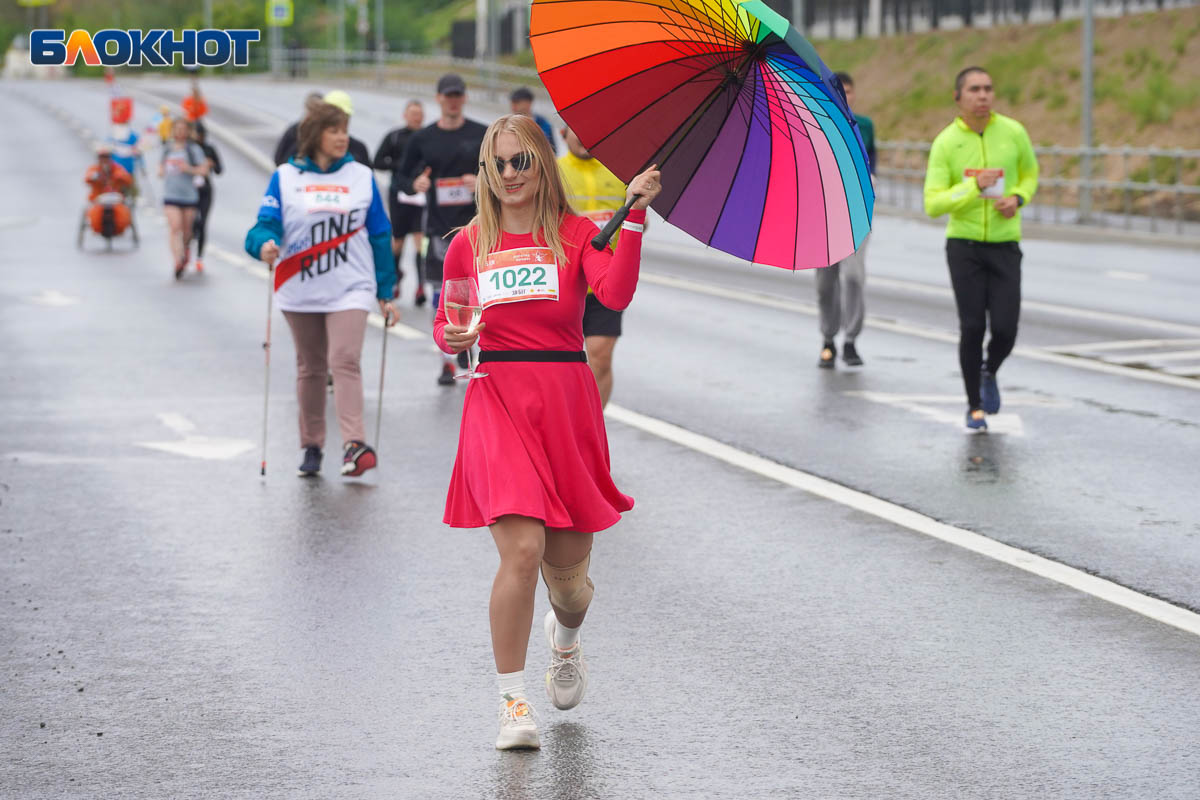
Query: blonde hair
{"type": "Point", "coordinates": [483, 232]}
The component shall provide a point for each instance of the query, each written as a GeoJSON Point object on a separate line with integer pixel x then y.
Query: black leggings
{"type": "Point", "coordinates": [987, 287]}
{"type": "Point", "coordinates": [200, 227]}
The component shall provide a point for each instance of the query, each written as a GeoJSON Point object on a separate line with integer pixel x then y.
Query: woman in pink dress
{"type": "Point", "coordinates": [533, 460]}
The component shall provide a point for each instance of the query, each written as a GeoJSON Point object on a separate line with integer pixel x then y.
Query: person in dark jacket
{"type": "Point", "coordinates": [407, 211]}
{"type": "Point", "coordinates": [286, 148]}
{"type": "Point", "coordinates": [200, 228]}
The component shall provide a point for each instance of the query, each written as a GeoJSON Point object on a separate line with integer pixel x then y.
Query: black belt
{"type": "Point", "coordinates": [570, 356]}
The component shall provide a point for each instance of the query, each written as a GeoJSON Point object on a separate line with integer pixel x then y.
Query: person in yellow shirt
{"type": "Point", "coordinates": [982, 171]}
{"type": "Point", "coordinates": [597, 194]}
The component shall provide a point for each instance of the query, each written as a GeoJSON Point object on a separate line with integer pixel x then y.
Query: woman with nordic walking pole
{"type": "Point", "coordinates": [533, 462]}
{"type": "Point", "coordinates": [323, 225]}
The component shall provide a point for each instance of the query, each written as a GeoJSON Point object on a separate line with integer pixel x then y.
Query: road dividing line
{"type": "Point", "coordinates": [1123, 344]}
{"type": "Point", "coordinates": [910, 329]}
{"type": "Point", "coordinates": [1122, 275]}
{"type": "Point", "coordinates": [916, 287]}
{"type": "Point", "coordinates": [1157, 357]}
{"type": "Point", "coordinates": [1100, 588]}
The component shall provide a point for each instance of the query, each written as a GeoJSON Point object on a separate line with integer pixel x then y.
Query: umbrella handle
{"type": "Point", "coordinates": [602, 238]}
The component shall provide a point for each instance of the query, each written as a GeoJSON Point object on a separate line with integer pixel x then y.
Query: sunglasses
{"type": "Point", "coordinates": [520, 162]}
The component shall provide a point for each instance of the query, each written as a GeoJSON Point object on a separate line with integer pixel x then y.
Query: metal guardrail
{"type": "Point", "coordinates": [1135, 188]}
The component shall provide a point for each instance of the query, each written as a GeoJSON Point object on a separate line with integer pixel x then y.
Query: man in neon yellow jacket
{"type": "Point", "coordinates": [981, 172]}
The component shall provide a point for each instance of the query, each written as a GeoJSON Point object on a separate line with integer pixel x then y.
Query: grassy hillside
{"type": "Point", "coordinates": [1147, 81]}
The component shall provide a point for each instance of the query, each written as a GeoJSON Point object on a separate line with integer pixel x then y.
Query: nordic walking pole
{"type": "Point", "coordinates": [267, 363]}
{"type": "Point", "coordinates": [382, 367]}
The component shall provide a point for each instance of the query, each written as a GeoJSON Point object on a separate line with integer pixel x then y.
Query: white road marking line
{"type": "Point", "coordinates": [1189, 369]}
{"type": "Point", "coordinates": [675, 251]}
{"type": "Point", "coordinates": [203, 447]}
{"type": "Point", "coordinates": [1010, 399]}
{"type": "Point", "coordinates": [910, 329]}
{"type": "Point", "coordinates": [1156, 357]}
{"type": "Point", "coordinates": [53, 297]}
{"type": "Point", "coordinates": [192, 446]}
{"type": "Point", "coordinates": [1122, 275]}
{"type": "Point", "coordinates": [256, 268]}
{"type": "Point", "coordinates": [1052, 308]}
{"type": "Point", "coordinates": [1123, 344]}
{"type": "Point", "coordinates": [1100, 588]}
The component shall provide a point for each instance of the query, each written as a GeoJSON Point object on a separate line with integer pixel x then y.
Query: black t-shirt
{"type": "Point", "coordinates": [449, 154]}
{"type": "Point", "coordinates": [391, 153]}
{"type": "Point", "coordinates": [286, 148]}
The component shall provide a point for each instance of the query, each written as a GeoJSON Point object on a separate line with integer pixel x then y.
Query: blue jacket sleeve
{"type": "Point", "coordinates": [385, 267]}
{"type": "Point", "coordinates": [270, 220]}
{"type": "Point", "coordinates": [379, 232]}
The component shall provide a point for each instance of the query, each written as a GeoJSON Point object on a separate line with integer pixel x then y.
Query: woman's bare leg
{"type": "Point", "coordinates": [521, 542]}
{"type": "Point", "coordinates": [174, 215]}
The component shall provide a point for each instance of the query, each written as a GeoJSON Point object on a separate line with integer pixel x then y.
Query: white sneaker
{"type": "Point", "coordinates": [518, 731]}
{"type": "Point", "coordinates": [566, 680]}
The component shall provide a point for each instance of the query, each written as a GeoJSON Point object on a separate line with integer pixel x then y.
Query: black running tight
{"type": "Point", "coordinates": [987, 288]}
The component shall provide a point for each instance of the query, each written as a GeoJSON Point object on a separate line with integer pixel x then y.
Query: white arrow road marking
{"type": "Point", "coordinates": [177, 422]}
{"type": "Point", "coordinates": [53, 297]}
{"type": "Point", "coordinates": [926, 405]}
{"type": "Point", "coordinates": [206, 447]}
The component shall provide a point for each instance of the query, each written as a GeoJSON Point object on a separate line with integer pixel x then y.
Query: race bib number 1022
{"type": "Point", "coordinates": [511, 276]}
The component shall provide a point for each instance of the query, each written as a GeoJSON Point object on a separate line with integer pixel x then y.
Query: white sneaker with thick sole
{"type": "Point", "coordinates": [518, 731]}
{"type": "Point", "coordinates": [566, 680]}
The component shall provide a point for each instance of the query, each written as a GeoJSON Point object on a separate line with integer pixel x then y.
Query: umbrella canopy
{"type": "Point", "coordinates": [759, 152]}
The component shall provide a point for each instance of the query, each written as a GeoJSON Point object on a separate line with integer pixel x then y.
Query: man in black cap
{"type": "Point", "coordinates": [442, 161]}
{"type": "Point", "coordinates": [521, 102]}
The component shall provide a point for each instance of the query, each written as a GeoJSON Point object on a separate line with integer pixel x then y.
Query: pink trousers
{"type": "Point", "coordinates": [328, 342]}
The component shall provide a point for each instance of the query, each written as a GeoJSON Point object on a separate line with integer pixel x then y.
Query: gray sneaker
{"type": "Point", "coordinates": [566, 680]}
{"type": "Point", "coordinates": [518, 731]}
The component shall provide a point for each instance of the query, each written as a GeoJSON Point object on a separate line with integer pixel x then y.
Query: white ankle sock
{"type": "Point", "coordinates": [565, 638]}
{"type": "Point", "coordinates": [511, 684]}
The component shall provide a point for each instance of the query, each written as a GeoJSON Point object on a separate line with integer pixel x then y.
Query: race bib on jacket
{"type": "Point", "coordinates": [511, 276]}
{"type": "Point", "coordinates": [326, 198]}
{"type": "Point", "coordinates": [454, 192]}
{"type": "Point", "coordinates": [996, 190]}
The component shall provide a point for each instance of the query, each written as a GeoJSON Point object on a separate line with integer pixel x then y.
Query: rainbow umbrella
{"type": "Point", "coordinates": [759, 152]}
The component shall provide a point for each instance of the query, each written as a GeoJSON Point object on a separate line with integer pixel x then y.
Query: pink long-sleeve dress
{"type": "Point", "coordinates": [532, 440]}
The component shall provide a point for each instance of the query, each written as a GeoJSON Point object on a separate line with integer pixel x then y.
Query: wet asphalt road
{"type": "Point", "coordinates": [230, 636]}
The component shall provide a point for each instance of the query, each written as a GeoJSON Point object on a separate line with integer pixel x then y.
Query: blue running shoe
{"type": "Point", "coordinates": [976, 423]}
{"type": "Point", "coordinates": [989, 392]}
{"type": "Point", "coordinates": [312, 462]}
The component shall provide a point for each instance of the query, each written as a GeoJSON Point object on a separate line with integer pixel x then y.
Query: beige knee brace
{"type": "Point", "coordinates": [570, 587]}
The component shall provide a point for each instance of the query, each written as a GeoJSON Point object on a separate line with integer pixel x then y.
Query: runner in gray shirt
{"type": "Point", "coordinates": [183, 164]}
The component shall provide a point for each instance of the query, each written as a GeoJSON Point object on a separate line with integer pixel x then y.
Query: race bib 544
{"type": "Point", "coordinates": [511, 276]}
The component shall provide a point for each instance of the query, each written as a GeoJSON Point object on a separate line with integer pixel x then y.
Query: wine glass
{"type": "Point", "coordinates": [461, 299]}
